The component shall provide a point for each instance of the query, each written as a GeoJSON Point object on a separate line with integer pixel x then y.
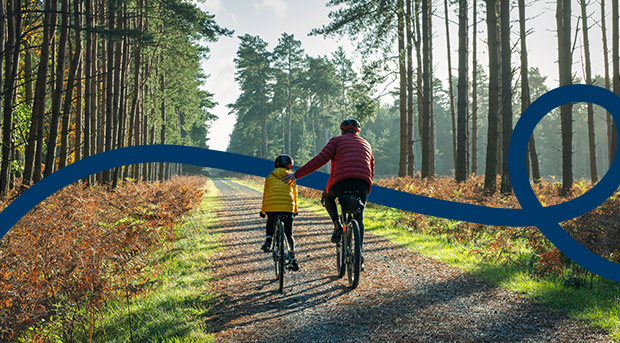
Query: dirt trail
{"type": "Point", "coordinates": [402, 297]}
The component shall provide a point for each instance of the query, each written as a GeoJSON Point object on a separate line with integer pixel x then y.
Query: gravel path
{"type": "Point", "coordinates": [402, 296]}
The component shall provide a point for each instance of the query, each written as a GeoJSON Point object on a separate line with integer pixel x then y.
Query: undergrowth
{"type": "Point", "coordinates": [82, 246]}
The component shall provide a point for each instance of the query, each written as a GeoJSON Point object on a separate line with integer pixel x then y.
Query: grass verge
{"type": "Point", "coordinates": [597, 303]}
{"type": "Point", "coordinates": [179, 305]}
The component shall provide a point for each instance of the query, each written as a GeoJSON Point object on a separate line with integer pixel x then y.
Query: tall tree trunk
{"type": "Point", "coordinates": [109, 89]}
{"type": "Point", "coordinates": [88, 76]}
{"type": "Point", "coordinates": [563, 18]}
{"type": "Point", "coordinates": [431, 90]}
{"type": "Point", "coordinates": [474, 93]}
{"type": "Point", "coordinates": [50, 161]}
{"type": "Point", "coordinates": [122, 117]}
{"type": "Point", "coordinates": [402, 89]}
{"type": "Point", "coordinates": [410, 152]}
{"type": "Point", "coordinates": [450, 87]}
{"type": "Point", "coordinates": [532, 156]}
{"type": "Point", "coordinates": [11, 66]}
{"type": "Point", "coordinates": [615, 57]}
{"type": "Point", "coordinates": [426, 92]}
{"type": "Point", "coordinates": [3, 20]}
{"type": "Point", "coordinates": [71, 81]}
{"type": "Point", "coordinates": [610, 156]}
{"type": "Point", "coordinates": [461, 150]}
{"type": "Point", "coordinates": [418, 52]}
{"type": "Point", "coordinates": [163, 122]}
{"type": "Point", "coordinates": [490, 173]}
{"type": "Point", "coordinates": [586, 47]}
{"type": "Point", "coordinates": [506, 186]}
{"type": "Point", "coordinates": [35, 135]}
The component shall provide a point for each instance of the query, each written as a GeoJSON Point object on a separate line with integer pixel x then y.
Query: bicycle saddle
{"type": "Point", "coordinates": [350, 202]}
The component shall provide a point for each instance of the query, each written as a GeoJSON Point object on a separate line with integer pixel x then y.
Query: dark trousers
{"type": "Point", "coordinates": [288, 226]}
{"type": "Point", "coordinates": [337, 190]}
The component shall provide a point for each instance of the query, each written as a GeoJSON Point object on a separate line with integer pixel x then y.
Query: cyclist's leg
{"type": "Point", "coordinates": [332, 210]}
{"type": "Point", "coordinates": [269, 231]}
{"type": "Point", "coordinates": [288, 230]}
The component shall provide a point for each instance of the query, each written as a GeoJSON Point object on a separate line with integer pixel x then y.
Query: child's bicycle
{"type": "Point", "coordinates": [349, 249]}
{"type": "Point", "coordinates": [281, 250]}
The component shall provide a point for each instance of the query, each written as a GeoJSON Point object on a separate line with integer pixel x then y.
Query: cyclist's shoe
{"type": "Point", "coordinates": [336, 235]}
{"type": "Point", "coordinates": [293, 265]}
{"type": "Point", "coordinates": [266, 247]}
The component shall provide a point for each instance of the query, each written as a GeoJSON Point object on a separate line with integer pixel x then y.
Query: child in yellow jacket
{"type": "Point", "coordinates": [280, 198]}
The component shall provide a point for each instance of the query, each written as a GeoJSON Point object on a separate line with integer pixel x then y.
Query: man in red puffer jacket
{"type": "Point", "coordinates": [352, 168]}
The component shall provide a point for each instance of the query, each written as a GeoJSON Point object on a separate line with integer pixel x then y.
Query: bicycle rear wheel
{"type": "Point", "coordinates": [354, 249]}
{"type": "Point", "coordinates": [280, 255]}
{"type": "Point", "coordinates": [340, 257]}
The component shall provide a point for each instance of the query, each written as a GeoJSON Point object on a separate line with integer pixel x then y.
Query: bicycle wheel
{"type": "Point", "coordinates": [341, 262]}
{"type": "Point", "coordinates": [340, 257]}
{"type": "Point", "coordinates": [280, 260]}
{"type": "Point", "coordinates": [354, 249]}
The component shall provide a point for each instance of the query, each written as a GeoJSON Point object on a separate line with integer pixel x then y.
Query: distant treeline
{"type": "Point", "coordinates": [293, 103]}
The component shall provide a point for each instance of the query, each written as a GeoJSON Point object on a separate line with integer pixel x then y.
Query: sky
{"type": "Point", "coordinates": [270, 18]}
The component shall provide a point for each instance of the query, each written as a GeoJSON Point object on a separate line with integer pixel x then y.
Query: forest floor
{"type": "Point", "coordinates": [402, 296]}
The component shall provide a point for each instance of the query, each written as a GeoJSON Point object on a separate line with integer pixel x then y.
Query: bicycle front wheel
{"type": "Point", "coordinates": [280, 254]}
{"type": "Point", "coordinates": [354, 252]}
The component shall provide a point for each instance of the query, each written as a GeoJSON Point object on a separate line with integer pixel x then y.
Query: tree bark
{"type": "Point", "coordinates": [450, 87]}
{"type": "Point", "coordinates": [532, 156]}
{"type": "Point", "coordinates": [35, 135]}
{"type": "Point", "coordinates": [474, 93]}
{"type": "Point", "coordinates": [492, 135]}
{"type": "Point", "coordinates": [591, 135]}
{"type": "Point", "coordinates": [609, 120]}
{"type": "Point", "coordinates": [71, 83]}
{"type": "Point", "coordinates": [109, 90]}
{"type": "Point", "coordinates": [506, 186]}
{"type": "Point", "coordinates": [563, 18]}
{"type": "Point", "coordinates": [11, 66]}
{"type": "Point", "coordinates": [50, 161]}
{"type": "Point", "coordinates": [426, 92]}
{"type": "Point", "coordinates": [615, 57]}
{"type": "Point", "coordinates": [461, 149]}
{"type": "Point", "coordinates": [402, 89]}
{"type": "Point", "coordinates": [410, 151]}
{"type": "Point", "coordinates": [163, 122]}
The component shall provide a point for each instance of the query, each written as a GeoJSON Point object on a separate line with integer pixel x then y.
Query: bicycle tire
{"type": "Point", "coordinates": [354, 248]}
{"type": "Point", "coordinates": [340, 258]}
{"type": "Point", "coordinates": [274, 250]}
{"type": "Point", "coordinates": [280, 263]}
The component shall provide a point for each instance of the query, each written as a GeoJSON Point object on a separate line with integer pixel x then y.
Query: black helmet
{"type": "Point", "coordinates": [284, 161]}
{"type": "Point", "coordinates": [350, 124]}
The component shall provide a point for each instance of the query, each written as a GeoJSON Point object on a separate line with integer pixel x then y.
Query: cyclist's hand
{"type": "Point", "coordinates": [289, 178]}
{"type": "Point", "coordinates": [295, 214]}
{"type": "Point", "coordinates": [262, 215]}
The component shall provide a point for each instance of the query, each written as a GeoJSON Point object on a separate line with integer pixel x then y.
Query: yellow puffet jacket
{"type": "Point", "coordinates": [277, 195]}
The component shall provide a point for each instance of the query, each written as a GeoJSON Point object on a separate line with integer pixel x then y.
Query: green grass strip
{"type": "Point", "coordinates": [178, 307]}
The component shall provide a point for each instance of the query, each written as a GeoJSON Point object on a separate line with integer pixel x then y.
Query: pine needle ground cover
{"type": "Point", "coordinates": [81, 247]}
{"type": "Point", "coordinates": [517, 258]}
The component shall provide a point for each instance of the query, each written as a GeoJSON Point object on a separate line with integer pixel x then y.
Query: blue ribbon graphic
{"type": "Point", "coordinates": [547, 219]}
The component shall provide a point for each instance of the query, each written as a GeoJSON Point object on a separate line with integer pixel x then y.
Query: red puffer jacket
{"type": "Point", "coordinates": [351, 157]}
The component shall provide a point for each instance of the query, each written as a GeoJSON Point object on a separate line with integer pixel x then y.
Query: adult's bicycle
{"type": "Point", "coordinates": [349, 248]}
{"type": "Point", "coordinates": [281, 251]}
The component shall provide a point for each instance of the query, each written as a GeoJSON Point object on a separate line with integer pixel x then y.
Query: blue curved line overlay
{"type": "Point", "coordinates": [547, 219]}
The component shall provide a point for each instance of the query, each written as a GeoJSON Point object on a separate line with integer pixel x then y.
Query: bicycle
{"type": "Point", "coordinates": [349, 249]}
{"type": "Point", "coordinates": [280, 250]}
